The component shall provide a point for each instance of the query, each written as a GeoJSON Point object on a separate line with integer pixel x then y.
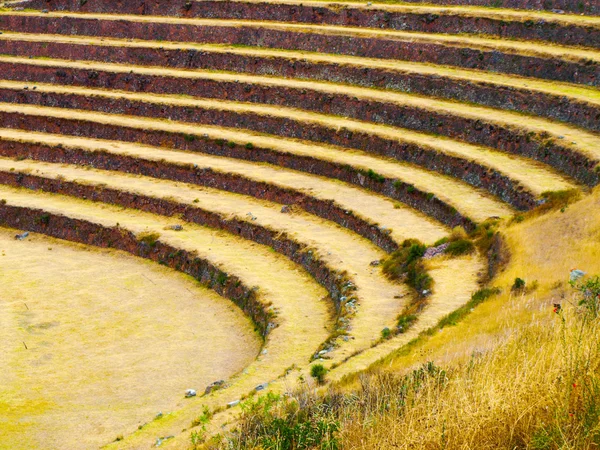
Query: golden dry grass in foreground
{"type": "Point", "coordinates": [79, 368]}
{"type": "Point", "coordinates": [511, 374]}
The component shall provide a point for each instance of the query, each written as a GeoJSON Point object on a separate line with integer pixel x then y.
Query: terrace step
{"type": "Point", "coordinates": [132, 356]}
{"type": "Point", "coordinates": [526, 58]}
{"type": "Point", "coordinates": [560, 101]}
{"type": "Point", "coordinates": [559, 28]}
{"type": "Point", "coordinates": [514, 177]}
{"type": "Point", "coordinates": [477, 125]}
{"type": "Point", "coordinates": [293, 294]}
{"type": "Point", "coordinates": [473, 202]}
{"type": "Point", "coordinates": [338, 248]}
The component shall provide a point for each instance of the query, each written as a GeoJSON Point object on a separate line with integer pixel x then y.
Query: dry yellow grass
{"type": "Point", "coordinates": [297, 298]}
{"type": "Point", "coordinates": [468, 11]}
{"type": "Point", "coordinates": [111, 341]}
{"type": "Point", "coordinates": [541, 49]}
{"type": "Point", "coordinates": [341, 249]}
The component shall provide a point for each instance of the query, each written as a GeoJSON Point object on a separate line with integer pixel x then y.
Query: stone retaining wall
{"type": "Point", "coordinates": [334, 282]}
{"type": "Point", "coordinates": [468, 171]}
{"type": "Point", "coordinates": [76, 230]}
{"type": "Point", "coordinates": [341, 15]}
{"type": "Point", "coordinates": [578, 71]}
{"type": "Point", "coordinates": [560, 108]}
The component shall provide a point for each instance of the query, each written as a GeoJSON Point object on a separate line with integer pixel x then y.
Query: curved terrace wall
{"type": "Point", "coordinates": [89, 233]}
{"type": "Point", "coordinates": [333, 281]}
{"type": "Point", "coordinates": [583, 72]}
{"type": "Point", "coordinates": [556, 107]}
{"type": "Point", "coordinates": [476, 131]}
{"type": "Point", "coordinates": [343, 15]}
{"type": "Point", "coordinates": [568, 161]}
{"type": "Point", "coordinates": [408, 194]}
{"type": "Point", "coordinates": [326, 209]}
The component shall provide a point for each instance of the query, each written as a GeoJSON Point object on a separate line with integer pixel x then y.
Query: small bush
{"type": "Point", "coordinates": [405, 263]}
{"type": "Point", "coordinates": [589, 291]}
{"type": "Point", "coordinates": [460, 247]}
{"type": "Point", "coordinates": [148, 238]}
{"type": "Point", "coordinates": [249, 146]}
{"type": "Point", "coordinates": [518, 285]}
{"type": "Point", "coordinates": [386, 333]}
{"type": "Point", "coordinates": [318, 372]}
{"type": "Point", "coordinates": [406, 321]}
{"type": "Point", "coordinates": [373, 175]}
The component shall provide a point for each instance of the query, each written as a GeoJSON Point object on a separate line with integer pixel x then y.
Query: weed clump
{"type": "Point", "coordinates": [406, 264]}
{"type": "Point", "coordinates": [318, 372]}
{"type": "Point", "coordinates": [148, 238]}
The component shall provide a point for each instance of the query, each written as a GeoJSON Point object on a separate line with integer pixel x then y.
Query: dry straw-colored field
{"type": "Point", "coordinates": [242, 190]}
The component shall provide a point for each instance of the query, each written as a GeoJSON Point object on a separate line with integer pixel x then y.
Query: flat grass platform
{"type": "Point", "coordinates": [133, 358]}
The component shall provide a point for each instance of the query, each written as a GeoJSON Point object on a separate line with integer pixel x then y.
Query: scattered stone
{"type": "Point", "coordinates": [264, 352]}
{"type": "Point", "coordinates": [426, 292]}
{"type": "Point", "coordinates": [23, 236]}
{"type": "Point", "coordinates": [44, 11]}
{"type": "Point", "coordinates": [215, 385]}
{"type": "Point", "coordinates": [375, 263]}
{"type": "Point", "coordinates": [176, 227]}
{"type": "Point", "coordinates": [251, 216]}
{"type": "Point", "coordinates": [190, 393]}
{"type": "Point", "coordinates": [261, 387]}
{"type": "Point", "coordinates": [432, 252]}
{"type": "Point", "coordinates": [285, 209]}
{"type": "Point", "coordinates": [322, 352]}
{"type": "Point", "coordinates": [576, 274]}
{"type": "Point", "coordinates": [557, 11]}
{"type": "Point", "coordinates": [233, 403]}
{"type": "Point", "coordinates": [159, 441]}
{"type": "Point", "coordinates": [159, 415]}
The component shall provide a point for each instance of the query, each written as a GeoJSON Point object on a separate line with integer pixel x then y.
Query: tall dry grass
{"type": "Point", "coordinates": [539, 389]}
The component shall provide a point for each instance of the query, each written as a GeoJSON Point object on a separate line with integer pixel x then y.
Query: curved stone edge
{"type": "Point", "coordinates": [335, 282]}
{"type": "Point", "coordinates": [556, 107]}
{"type": "Point", "coordinates": [326, 209]}
{"type": "Point", "coordinates": [585, 72]}
{"type": "Point", "coordinates": [88, 233]}
{"type": "Point", "coordinates": [505, 138]}
{"type": "Point", "coordinates": [343, 15]}
{"type": "Point", "coordinates": [469, 171]}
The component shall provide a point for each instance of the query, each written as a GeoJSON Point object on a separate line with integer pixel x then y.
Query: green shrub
{"type": "Point", "coordinates": [318, 372]}
{"type": "Point", "coordinates": [519, 284]}
{"type": "Point", "coordinates": [386, 333]}
{"type": "Point", "coordinates": [405, 321]}
{"type": "Point", "coordinates": [249, 146]}
{"type": "Point", "coordinates": [460, 247]}
{"type": "Point", "coordinates": [148, 238]}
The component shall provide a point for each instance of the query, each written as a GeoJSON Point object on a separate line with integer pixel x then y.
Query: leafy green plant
{"type": "Point", "coordinates": [318, 372]}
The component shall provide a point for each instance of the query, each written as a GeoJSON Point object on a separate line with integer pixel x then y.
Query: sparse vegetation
{"type": "Point", "coordinates": [149, 238]}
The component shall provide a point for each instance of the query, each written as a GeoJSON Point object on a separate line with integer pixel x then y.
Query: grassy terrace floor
{"type": "Point", "coordinates": [339, 248]}
{"type": "Point", "coordinates": [130, 361]}
{"type": "Point", "coordinates": [477, 204]}
{"type": "Point", "coordinates": [579, 92]}
{"type": "Point", "coordinates": [524, 48]}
